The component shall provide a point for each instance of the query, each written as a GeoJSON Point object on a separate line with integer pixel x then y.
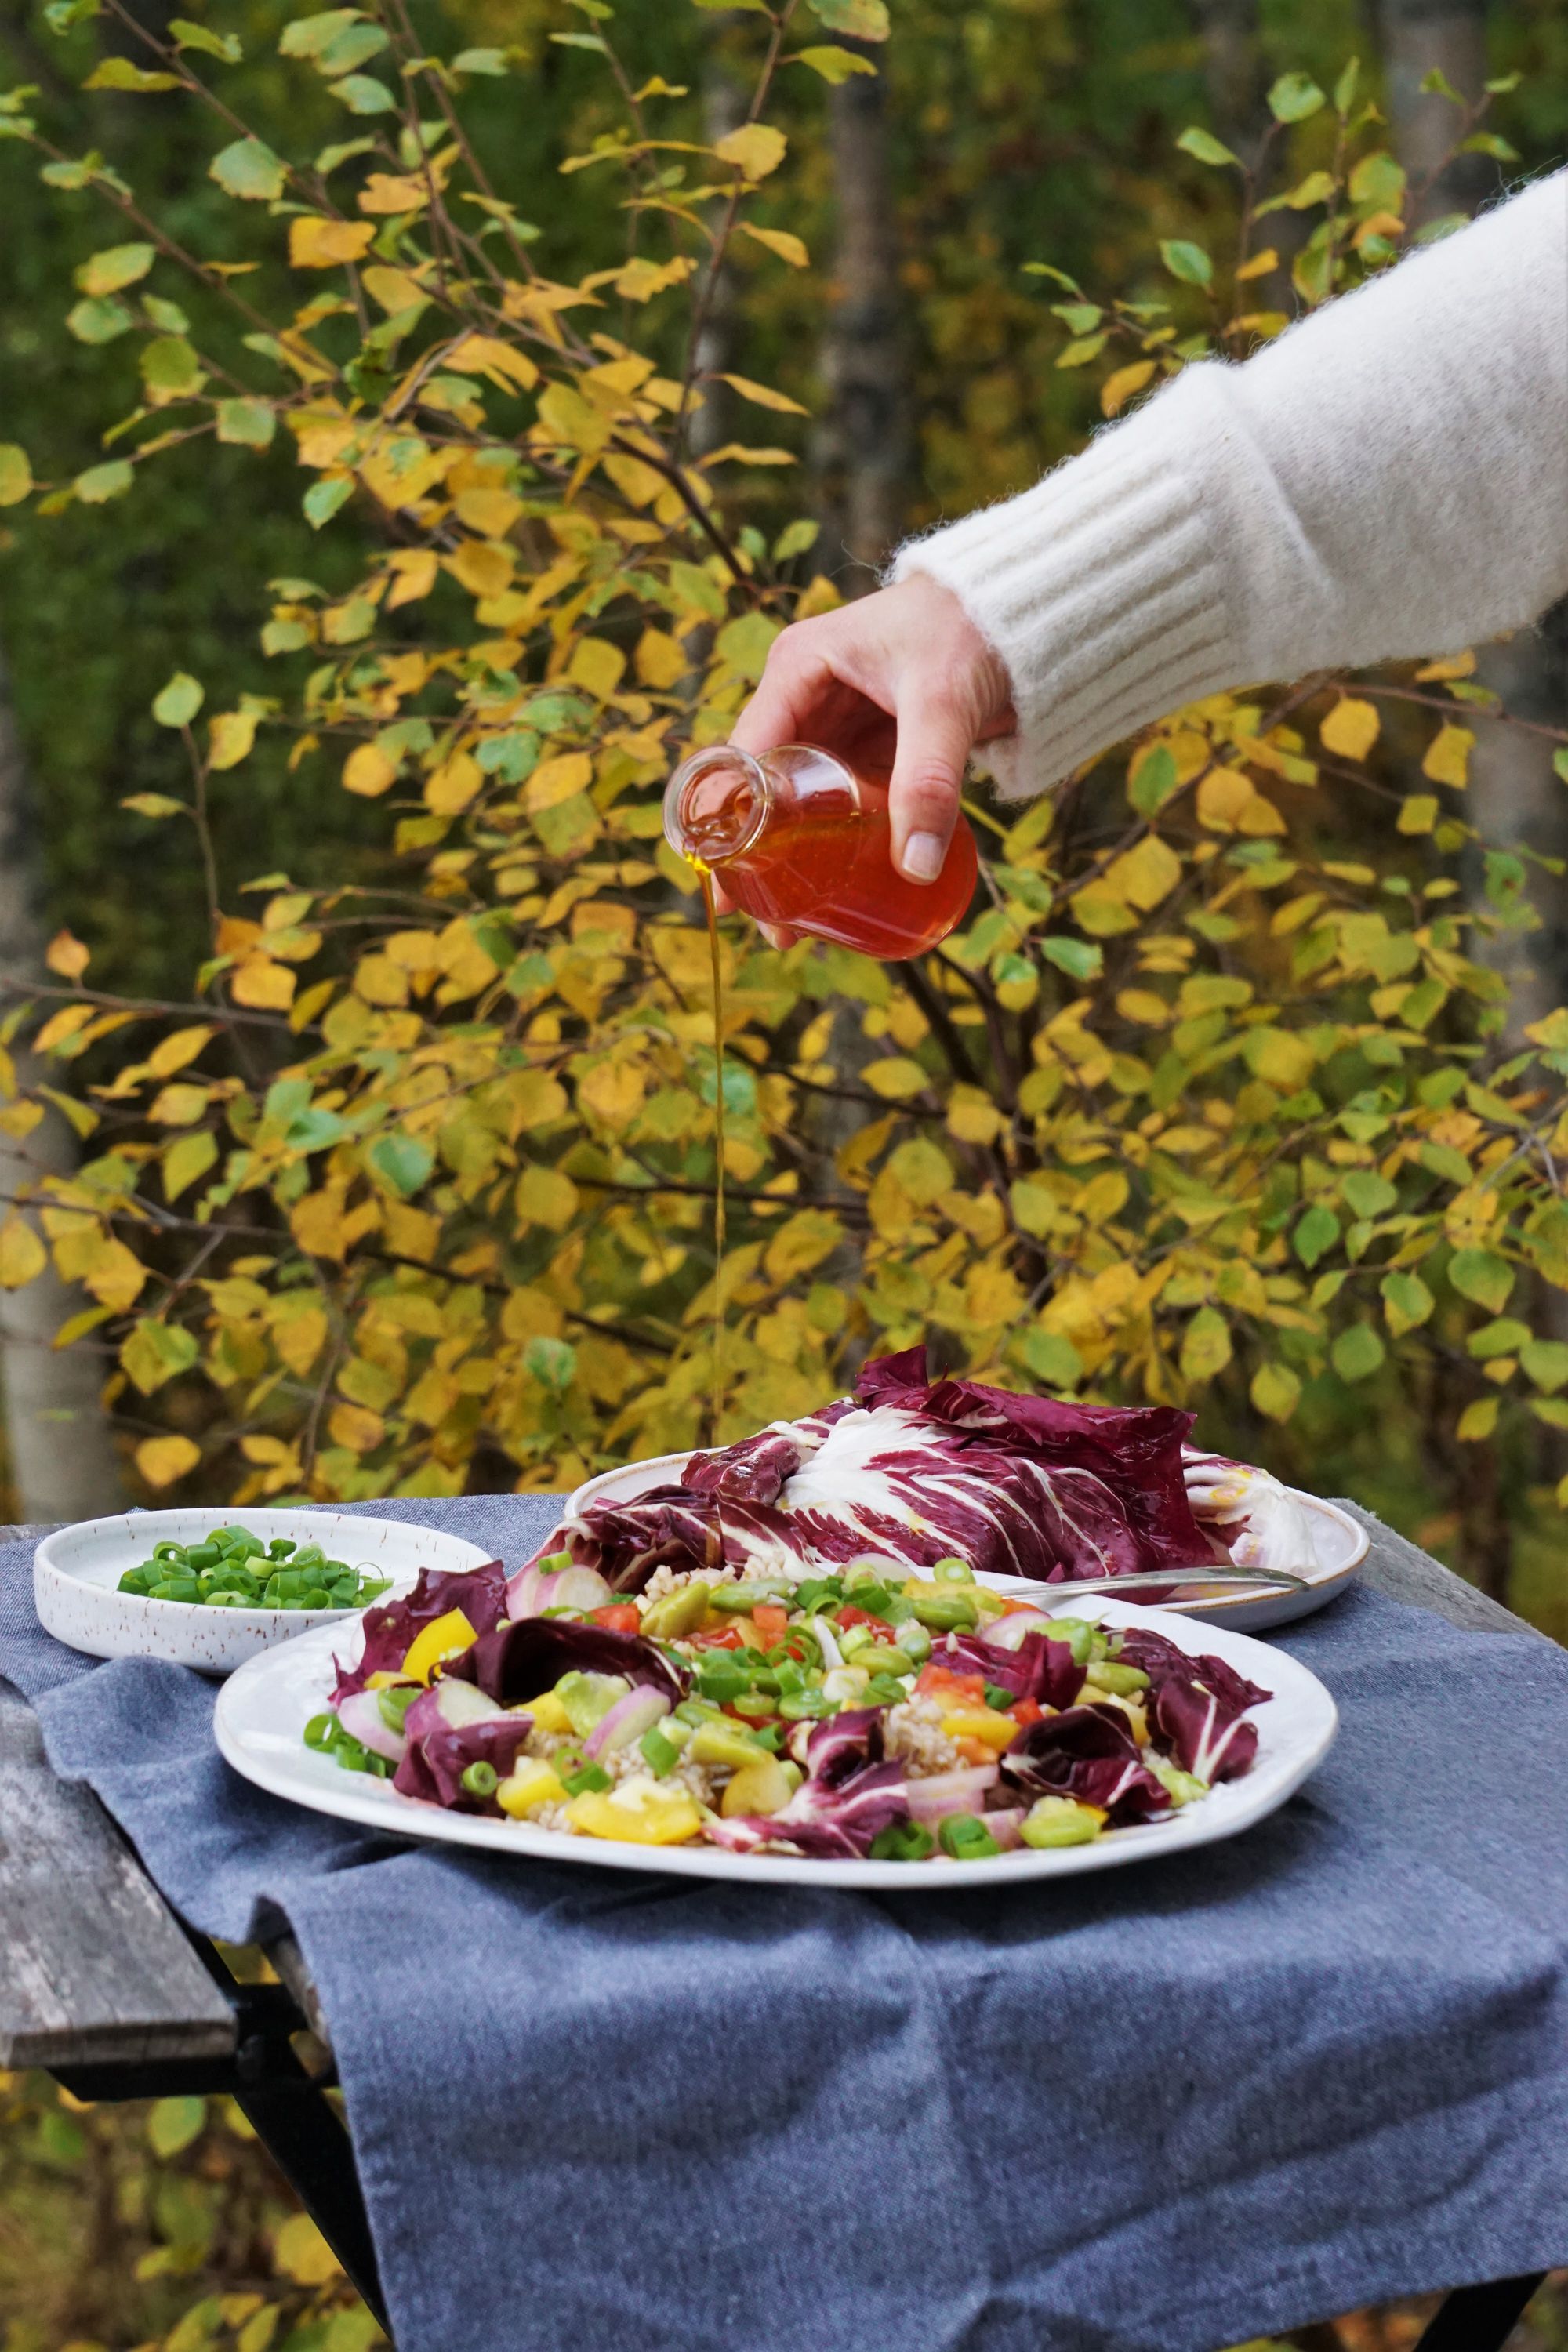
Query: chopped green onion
{"type": "Point", "coordinates": [321, 1730]}
{"type": "Point", "coordinates": [592, 1778]}
{"type": "Point", "coordinates": [482, 1780]}
{"type": "Point", "coordinates": [903, 1842]}
{"type": "Point", "coordinates": [660, 1755]}
{"type": "Point", "coordinates": [966, 1839]}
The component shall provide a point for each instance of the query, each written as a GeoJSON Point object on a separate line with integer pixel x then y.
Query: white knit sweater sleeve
{"type": "Point", "coordinates": [1389, 479]}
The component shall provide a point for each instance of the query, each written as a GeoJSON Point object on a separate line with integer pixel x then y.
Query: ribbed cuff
{"type": "Point", "coordinates": [1102, 589]}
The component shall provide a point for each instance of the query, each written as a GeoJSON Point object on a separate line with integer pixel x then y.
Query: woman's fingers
{"type": "Point", "coordinates": [935, 732]}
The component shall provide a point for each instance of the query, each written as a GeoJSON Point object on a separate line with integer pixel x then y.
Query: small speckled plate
{"type": "Point", "coordinates": [76, 1572]}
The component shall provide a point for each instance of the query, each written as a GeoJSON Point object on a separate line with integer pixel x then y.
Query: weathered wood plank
{"type": "Point", "coordinates": [94, 1969]}
{"type": "Point", "coordinates": [1405, 1572]}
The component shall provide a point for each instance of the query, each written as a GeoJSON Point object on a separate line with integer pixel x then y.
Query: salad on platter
{"type": "Point", "coordinates": [792, 1652]}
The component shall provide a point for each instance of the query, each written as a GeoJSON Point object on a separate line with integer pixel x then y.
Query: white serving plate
{"type": "Point", "coordinates": [77, 1570]}
{"type": "Point", "coordinates": [263, 1709]}
{"type": "Point", "coordinates": [1339, 1542]}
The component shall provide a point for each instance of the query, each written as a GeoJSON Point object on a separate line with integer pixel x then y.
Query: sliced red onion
{"type": "Point", "coordinates": [1006, 1827]}
{"type": "Point", "coordinates": [950, 1792]}
{"type": "Point", "coordinates": [533, 1590]}
{"type": "Point", "coordinates": [363, 1719]}
{"type": "Point", "coordinates": [627, 1720]}
{"type": "Point", "coordinates": [1009, 1633]}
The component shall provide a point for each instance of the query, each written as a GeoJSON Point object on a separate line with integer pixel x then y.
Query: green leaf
{"type": "Point", "coordinates": [166, 316]}
{"type": "Point", "coordinates": [1294, 97]}
{"type": "Point", "coordinates": [251, 424]}
{"type": "Point", "coordinates": [1206, 147]}
{"type": "Point", "coordinates": [580, 41]}
{"type": "Point", "coordinates": [1082, 350]}
{"type": "Point", "coordinates": [307, 36]}
{"type": "Point", "coordinates": [118, 73]}
{"type": "Point", "coordinates": [834, 65]}
{"type": "Point", "coordinates": [98, 321]}
{"type": "Point", "coordinates": [402, 1161]}
{"type": "Point", "coordinates": [174, 2123]}
{"type": "Point", "coordinates": [1050, 269]}
{"type": "Point", "coordinates": [1482, 1275]}
{"type": "Point", "coordinates": [1435, 83]}
{"type": "Point", "coordinates": [796, 537]}
{"type": "Point", "coordinates": [1560, 762]}
{"type": "Point", "coordinates": [1546, 1362]}
{"type": "Point", "coordinates": [1276, 1391]}
{"type": "Point", "coordinates": [1486, 143]}
{"type": "Point", "coordinates": [322, 500]}
{"type": "Point", "coordinates": [1052, 1359]}
{"type": "Point", "coordinates": [154, 804]}
{"type": "Point", "coordinates": [16, 474]}
{"type": "Point", "coordinates": [1407, 1302]}
{"type": "Point", "coordinates": [223, 46]}
{"type": "Point", "coordinates": [1505, 1337]}
{"type": "Point", "coordinates": [62, 15]}
{"type": "Point", "coordinates": [1205, 1345]}
{"type": "Point", "coordinates": [1357, 1353]}
{"type": "Point", "coordinates": [1187, 261]}
{"type": "Point", "coordinates": [1315, 1233]}
{"type": "Point", "coordinates": [553, 1362]}
{"type": "Point", "coordinates": [1346, 87]}
{"type": "Point", "coordinates": [354, 46]}
{"type": "Point", "coordinates": [1369, 1195]}
{"type": "Point", "coordinates": [102, 483]}
{"type": "Point", "coordinates": [861, 20]}
{"type": "Point", "coordinates": [248, 170]}
{"type": "Point", "coordinates": [363, 94]}
{"type": "Point", "coordinates": [480, 61]}
{"type": "Point", "coordinates": [116, 267]}
{"type": "Point", "coordinates": [153, 1353]}
{"type": "Point", "coordinates": [1152, 779]}
{"type": "Point", "coordinates": [176, 704]}
{"type": "Point", "coordinates": [1079, 958]}
{"type": "Point", "coordinates": [169, 365]}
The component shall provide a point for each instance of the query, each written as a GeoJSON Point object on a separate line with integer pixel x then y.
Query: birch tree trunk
{"type": "Point", "coordinates": [61, 1456]}
{"type": "Point", "coordinates": [865, 453]}
{"type": "Point", "coordinates": [1234, 69]}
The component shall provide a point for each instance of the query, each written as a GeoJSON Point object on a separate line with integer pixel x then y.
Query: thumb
{"type": "Point", "coordinates": [934, 736]}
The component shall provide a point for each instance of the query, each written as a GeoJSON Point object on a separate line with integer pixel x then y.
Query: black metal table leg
{"type": "Point", "coordinates": [1480, 2318]}
{"type": "Point", "coordinates": [286, 2106]}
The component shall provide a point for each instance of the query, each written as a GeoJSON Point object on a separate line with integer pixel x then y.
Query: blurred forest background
{"type": "Point", "coordinates": [991, 136]}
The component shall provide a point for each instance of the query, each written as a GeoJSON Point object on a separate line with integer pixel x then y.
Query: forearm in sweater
{"type": "Point", "coordinates": [1389, 479]}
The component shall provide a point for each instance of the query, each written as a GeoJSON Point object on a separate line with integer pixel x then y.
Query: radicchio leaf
{"type": "Point", "coordinates": [1196, 1706]}
{"type": "Point", "coordinates": [516, 1662]}
{"type": "Point", "coordinates": [439, 1753]}
{"type": "Point", "coordinates": [1089, 1754]}
{"type": "Point", "coordinates": [390, 1627]}
{"type": "Point", "coordinates": [850, 1793]}
{"type": "Point", "coordinates": [667, 1526]}
{"type": "Point", "coordinates": [1039, 1668]}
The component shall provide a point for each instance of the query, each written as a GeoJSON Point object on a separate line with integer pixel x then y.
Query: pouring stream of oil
{"type": "Point", "coordinates": [710, 904]}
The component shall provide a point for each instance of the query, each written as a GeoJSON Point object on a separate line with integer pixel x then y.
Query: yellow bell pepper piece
{"type": "Point", "coordinates": [532, 1784]}
{"type": "Point", "coordinates": [445, 1637]}
{"type": "Point", "coordinates": [384, 1680]}
{"type": "Point", "coordinates": [982, 1723]}
{"type": "Point", "coordinates": [1093, 1695]}
{"type": "Point", "coordinates": [656, 1821]}
{"type": "Point", "coordinates": [548, 1712]}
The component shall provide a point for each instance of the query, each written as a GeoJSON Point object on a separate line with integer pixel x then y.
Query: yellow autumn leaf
{"type": "Point", "coordinates": [484, 567]}
{"type": "Point", "coordinates": [755, 150]}
{"type": "Point", "coordinates": [1125, 386]}
{"type": "Point", "coordinates": [494, 358]}
{"type": "Point", "coordinates": [660, 660]}
{"type": "Point", "coordinates": [1477, 1421]}
{"type": "Point", "coordinates": [613, 1092]}
{"type": "Point", "coordinates": [162, 1460]}
{"type": "Point", "coordinates": [23, 1256]}
{"type": "Point", "coordinates": [1417, 813]}
{"type": "Point", "coordinates": [1448, 761]}
{"type": "Point", "coordinates": [181, 1047]}
{"type": "Point", "coordinates": [381, 981]}
{"type": "Point", "coordinates": [230, 736]}
{"type": "Point", "coordinates": [557, 779]}
{"type": "Point", "coordinates": [1351, 729]}
{"type": "Point", "coordinates": [368, 772]}
{"type": "Point", "coordinates": [301, 2253]}
{"type": "Point", "coordinates": [263, 985]}
{"type": "Point", "coordinates": [788, 248]}
{"type": "Point", "coordinates": [895, 1077]}
{"type": "Point", "coordinates": [1142, 876]}
{"type": "Point", "coordinates": [764, 395]}
{"type": "Point", "coordinates": [414, 575]}
{"type": "Point", "coordinates": [301, 1338]}
{"type": "Point", "coordinates": [390, 192]}
{"type": "Point", "coordinates": [450, 787]}
{"type": "Point", "coordinates": [1279, 1058]}
{"type": "Point", "coordinates": [355, 1426]}
{"type": "Point", "coordinates": [546, 1197]}
{"type": "Point", "coordinates": [65, 955]}
{"type": "Point", "coordinates": [317, 244]}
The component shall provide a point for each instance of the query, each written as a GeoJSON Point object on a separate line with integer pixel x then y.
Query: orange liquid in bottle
{"type": "Point", "coordinates": [797, 839]}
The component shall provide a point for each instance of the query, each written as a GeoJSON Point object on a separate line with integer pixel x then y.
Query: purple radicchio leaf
{"type": "Point", "coordinates": [669, 1527]}
{"type": "Point", "coordinates": [1088, 1753]}
{"type": "Point", "coordinates": [827, 1824]}
{"type": "Point", "coordinates": [1039, 1668]}
{"type": "Point", "coordinates": [391, 1626]}
{"type": "Point", "coordinates": [1196, 1706]}
{"type": "Point", "coordinates": [513, 1663]}
{"type": "Point", "coordinates": [439, 1753]}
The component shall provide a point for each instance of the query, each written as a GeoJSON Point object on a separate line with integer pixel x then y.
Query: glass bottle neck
{"type": "Point", "coordinates": [716, 806]}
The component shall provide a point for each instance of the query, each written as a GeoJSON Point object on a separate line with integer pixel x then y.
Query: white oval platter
{"type": "Point", "coordinates": [1339, 1542]}
{"type": "Point", "coordinates": [76, 1571]}
{"type": "Point", "coordinates": [263, 1709]}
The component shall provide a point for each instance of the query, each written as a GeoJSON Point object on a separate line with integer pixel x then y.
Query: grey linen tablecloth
{"type": "Point", "coordinates": [1156, 2111]}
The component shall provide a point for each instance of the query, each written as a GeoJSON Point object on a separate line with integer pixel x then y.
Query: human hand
{"type": "Point", "coordinates": [901, 681]}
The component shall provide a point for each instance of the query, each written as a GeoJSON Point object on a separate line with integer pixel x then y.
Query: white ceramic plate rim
{"type": "Point", "coordinates": [1263, 1608]}
{"type": "Point", "coordinates": [78, 1569]}
{"type": "Point", "coordinates": [264, 1707]}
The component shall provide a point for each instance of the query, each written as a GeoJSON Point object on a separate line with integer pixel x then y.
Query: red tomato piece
{"type": "Point", "coordinates": [771, 1617]}
{"type": "Point", "coordinates": [853, 1616]}
{"type": "Point", "coordinates": [952, 1690]}
{"type": "Point", "coordinates": [723, 1637]}
{"type": "Point", "coordinates": [1024, 1711]}
{"type": "Point", "coordinates": [620, 1617]}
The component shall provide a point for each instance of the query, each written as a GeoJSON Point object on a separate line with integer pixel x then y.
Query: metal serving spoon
{"type": "Point", "coordinates": [1270, 1579]}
